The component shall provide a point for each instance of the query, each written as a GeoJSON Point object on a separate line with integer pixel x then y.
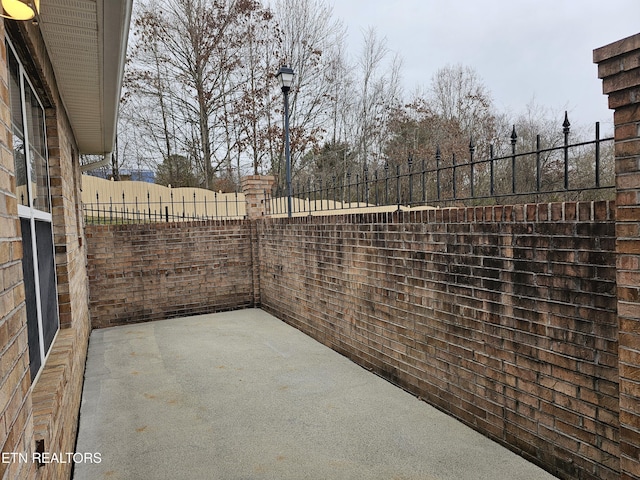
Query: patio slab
{"type": "Point", "coordinates": [242, 395]}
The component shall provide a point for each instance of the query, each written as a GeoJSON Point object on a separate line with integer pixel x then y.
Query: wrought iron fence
{"type": "Point", "coordinates": [122, 210]}
{"type": "Point", "coordinates": [564, 172]}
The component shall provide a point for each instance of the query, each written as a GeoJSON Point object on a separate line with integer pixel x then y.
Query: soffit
{"type": "Point", "coordinates": [86, 41]}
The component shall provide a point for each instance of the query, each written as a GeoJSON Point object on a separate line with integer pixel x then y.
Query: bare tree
{"type": "Point", "coordinates": [185, 61]}
{"type": "Point", "coordinates": [377, 93]}
{"type": "Point", "coordinates": [458, 94]}
{"type": "Point", "coordinates": [253, 103]}
{"type": "Point", "coordinates": [338, 75]}
{"type": "Point", "coordinates": [176, 171]}
{"type": "Point", "coordinates": [148, 77]}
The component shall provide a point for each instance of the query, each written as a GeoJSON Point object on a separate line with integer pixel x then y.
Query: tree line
{"type": "Point", "coordinates": [201, 104]}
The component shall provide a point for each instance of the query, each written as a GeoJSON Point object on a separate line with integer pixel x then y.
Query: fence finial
{"type": "Point", "coordinates": [514, 136]}
{"type": "Point", "coordinates": [566, 124]}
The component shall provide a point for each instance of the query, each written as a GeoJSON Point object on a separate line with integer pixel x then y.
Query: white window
{"type": "Point", "coordinates": [34, 210]}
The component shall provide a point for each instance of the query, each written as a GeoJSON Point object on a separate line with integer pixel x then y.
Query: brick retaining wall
{"type": "Point", "coordinates": [504, 317]}
{"type": "Point", "coordinates": [155, 271]}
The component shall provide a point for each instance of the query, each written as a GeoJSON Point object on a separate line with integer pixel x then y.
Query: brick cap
{"type": "Point", "coordinates": [619, 69]}
{"type": "Point", "coordinates": [257, 183]}
{"type": "Point", "coordinates": [615, 49]}
{"type": "Point", "coordinates": [257, 179]}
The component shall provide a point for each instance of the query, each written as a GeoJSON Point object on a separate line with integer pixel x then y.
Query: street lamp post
{"type": "Point", "coordinates": [285, 75]}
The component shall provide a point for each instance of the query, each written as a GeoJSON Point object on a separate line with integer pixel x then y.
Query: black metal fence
{"type": "Point", "coordinates": [563, 172]}
{"type": "Point", "coordinates": [135, 210]}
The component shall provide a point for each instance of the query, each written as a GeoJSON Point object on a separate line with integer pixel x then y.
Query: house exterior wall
{"type": "Point", "coordinates": [16, 413]}
{"type": "Point", "coordinates": [46, 410]}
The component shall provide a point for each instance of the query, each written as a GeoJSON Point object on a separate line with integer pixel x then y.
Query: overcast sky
{"type": "Point", "coordinates": [521, 49]}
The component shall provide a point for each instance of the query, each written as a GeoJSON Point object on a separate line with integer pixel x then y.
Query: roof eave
{"type": "Point", "coordinates": [87, 45]}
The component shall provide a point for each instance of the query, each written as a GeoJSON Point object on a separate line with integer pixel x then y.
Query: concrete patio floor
{"type": "Point", "coordinates": [242, 395]}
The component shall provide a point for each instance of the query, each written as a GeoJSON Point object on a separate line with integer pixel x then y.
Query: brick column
{"type": "Point", "coordinates": [619, 69]}
{"type": "Point", "coordinates": [257, 194]}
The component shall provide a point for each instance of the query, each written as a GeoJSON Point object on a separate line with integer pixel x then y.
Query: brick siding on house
{"type": "Point", "coordinates": [57, 394]}
{"type": "Point", "coordinates": [163, 270]}
{"type": "Point", "coordinates": [49, 409]}
{"type": "Point", "coordinates": [16, 430]}
{"type": "Point", "coordinates": [619, 69]}
{"type": "Point", "coordinates": [504, 317]}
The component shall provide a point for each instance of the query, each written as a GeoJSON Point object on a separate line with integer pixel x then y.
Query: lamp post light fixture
{"type": "Point", "coordinates": [285, 76]}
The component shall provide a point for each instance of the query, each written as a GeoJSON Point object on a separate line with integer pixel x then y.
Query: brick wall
{"type": "Point", "coordinates": [619, 68]}
{"type": "Point", "coordinates": [504, 317]}
{"type": "Point", "coordinates": [154, 271]}
{"type": "Point", "coordinates": [16, 427]}
{"type": "Point", "coordinates": [48, 409]}
{"type": "Point", "coordinates": [57, 394]}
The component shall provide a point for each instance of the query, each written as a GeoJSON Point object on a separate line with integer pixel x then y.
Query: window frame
{"type": "Point", "coordinates": [30, 212]}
